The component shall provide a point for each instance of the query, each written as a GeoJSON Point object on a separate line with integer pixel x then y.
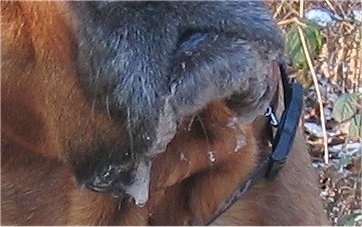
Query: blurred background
{"type": "Point", "coordinates": [324, 45]}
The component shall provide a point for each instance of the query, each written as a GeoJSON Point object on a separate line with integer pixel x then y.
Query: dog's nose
{"type": "Point", "coordinates": [106, 177]}
{"type": "Point", "coordinates": [132, 179]}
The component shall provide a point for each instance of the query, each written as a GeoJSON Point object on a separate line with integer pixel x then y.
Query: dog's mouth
{"type": "Point", "coordinates": [135, 179]}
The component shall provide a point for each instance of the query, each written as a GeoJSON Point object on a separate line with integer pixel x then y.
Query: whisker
{"type": "Point", "coordinates": [129, 131]}
{"type": "Point", "coordinates": [205, 132]}
{"type": "Point", "coordinates": [190, 123]}
{"type": "Point", "coordinates": [93, 109]}
{"type": "Point", "coordinates": [107, 108]}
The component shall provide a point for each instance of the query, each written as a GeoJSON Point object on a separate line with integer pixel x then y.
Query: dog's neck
{"type": "Point", "coordinates": [279, 135]}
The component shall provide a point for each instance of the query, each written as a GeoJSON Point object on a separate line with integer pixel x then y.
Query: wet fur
{"type": "Point", "coordinates": [54, 137]}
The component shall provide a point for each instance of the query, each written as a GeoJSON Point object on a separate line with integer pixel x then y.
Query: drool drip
{"type": "Point", "coordinates": [240, 142]}
{"type": "Point", "coordinates": [212, 156]}
{"type": "Point", "coordinates": [240, 138]}
{"type": "Point", "coordinates": [139, 190]}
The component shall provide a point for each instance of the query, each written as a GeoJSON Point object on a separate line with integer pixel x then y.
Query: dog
{"type": "Point", "coordinates": [145, 113]}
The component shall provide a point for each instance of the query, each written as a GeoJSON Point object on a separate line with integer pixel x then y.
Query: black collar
{"type": "Point", "coordinates": [282, 141]}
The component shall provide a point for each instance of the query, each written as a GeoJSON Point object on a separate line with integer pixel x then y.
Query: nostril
{"type": "Point", "coordinates": [100, 184]}
{"type": "Point", "coordinates": [103, 179]}
{"type": "Point", "coordinates": [112, 178]}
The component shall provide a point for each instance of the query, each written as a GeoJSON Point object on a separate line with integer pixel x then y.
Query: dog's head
{"type": "Point", "coordinates": [152, 64]}
{"type": "Point", "coordinates": [108, 86]}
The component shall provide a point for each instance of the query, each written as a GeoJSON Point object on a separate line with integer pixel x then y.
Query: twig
{"type": "Point", "coordinates": [341, 9]}
{"type": "Point", "coordinates": [301, 9]}
{"type": "Point", "coordinates": [291, 20]}
{"type": "Point", "coordinates": [285, 22]}
{"type": "Point", "coordinates": [291, 9]}
{"type": "Point", "coordinates": [330, 5]}
{"type": "Point", "coordinates": [279, 9]}
{"type": "Point", "coordinates": [319, 96]}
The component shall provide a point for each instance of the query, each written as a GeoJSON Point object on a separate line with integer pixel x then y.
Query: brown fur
{"type": "Point", "coordinates": [43, 108]}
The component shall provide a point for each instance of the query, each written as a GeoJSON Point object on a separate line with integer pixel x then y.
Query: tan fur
{"type": "Point", "coordinates": [43, 107]}
{"type": "Point", "coordinates": [290, 199]}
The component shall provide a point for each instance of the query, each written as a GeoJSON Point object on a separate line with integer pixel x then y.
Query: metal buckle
{"type": "Point", "coordinates": [273, 120]}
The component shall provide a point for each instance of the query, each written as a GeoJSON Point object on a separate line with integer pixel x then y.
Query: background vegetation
{"type": "Point", "coordinates": [324, 46]}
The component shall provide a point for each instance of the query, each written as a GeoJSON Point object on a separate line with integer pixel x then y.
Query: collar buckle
{"type": "Point", "coordinates": [273, 120]}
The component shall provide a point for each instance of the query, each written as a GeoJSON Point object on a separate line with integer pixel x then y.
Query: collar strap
{"type": "Point", "coordinates": [282, 142]}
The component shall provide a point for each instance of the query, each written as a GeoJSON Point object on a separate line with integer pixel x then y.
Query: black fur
{"type": "Point", "coordinates": [153, 63]}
